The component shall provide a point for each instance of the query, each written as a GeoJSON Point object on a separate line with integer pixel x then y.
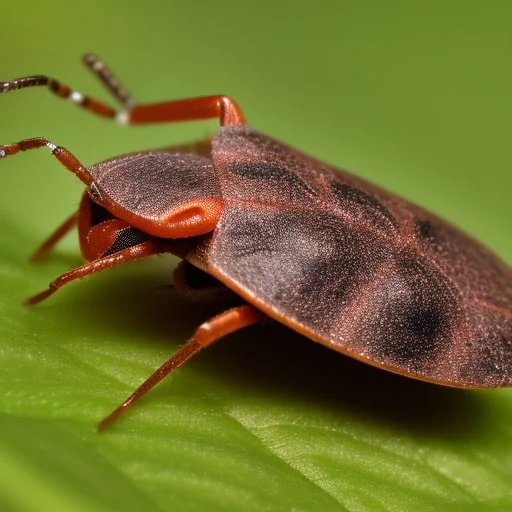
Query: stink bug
{"type": "Point", "coordinates": [325, 253]}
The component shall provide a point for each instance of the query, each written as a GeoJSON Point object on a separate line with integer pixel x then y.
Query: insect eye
{"type": "Point", "coordinates": [94, 192]}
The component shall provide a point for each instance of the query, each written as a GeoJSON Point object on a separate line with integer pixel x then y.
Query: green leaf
{"type": "Point", "coordinates": [412, 95]}
{"type": "Point", "coordinates": [265, 420]}
{"type": "Point", "coordinates": [45, 466]}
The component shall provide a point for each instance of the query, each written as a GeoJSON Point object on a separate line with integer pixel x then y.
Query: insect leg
{"type": "Point", "coordinates": [207, 333]}
{"type": "Point", "coordinates": [55, 237]}
{"type": "Point", "coordinates": [208, 107]}
{"type": "Point", "coordinates": [132, 253]}
{"type": "Point", "coordinates": [191, 109]}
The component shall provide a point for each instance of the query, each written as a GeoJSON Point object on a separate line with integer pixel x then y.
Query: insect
{"type": "Point", "coordinates": [325, 253]}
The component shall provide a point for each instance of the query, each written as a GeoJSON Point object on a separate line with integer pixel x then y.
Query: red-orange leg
{"type": "Point", "coordinates": [206, 334]}
{"type": "Point", "coordinates": [208, 107]}
{"type": "Point", "coordinates": [55, 237]}
{"type": "Point", "coordinates": [193, 109]}
{"type": "Point", "coordinates": [135, 252]}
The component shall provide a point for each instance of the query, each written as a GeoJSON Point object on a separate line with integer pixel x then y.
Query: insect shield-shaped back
{"type": "Point", "coordinates": [166, 195]}
{"type": "Point", "coordinates": [357, 268]}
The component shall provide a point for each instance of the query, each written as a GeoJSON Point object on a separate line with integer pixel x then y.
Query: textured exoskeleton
{"type": "Point", "coordinates": [332, 256]}
{"type": "Point", "coordinates": [328, 254]}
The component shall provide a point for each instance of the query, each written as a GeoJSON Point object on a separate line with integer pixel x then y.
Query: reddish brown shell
{"type": "Point", "coordinates": [356, 268]}
{"type": "Point", "coordinates": [145, 189]}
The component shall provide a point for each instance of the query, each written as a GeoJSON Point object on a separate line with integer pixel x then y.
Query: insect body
{"type": "Point", "coordinates": [330, 255]}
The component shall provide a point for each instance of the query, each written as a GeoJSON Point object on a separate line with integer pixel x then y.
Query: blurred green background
{"type": "Point", "coordinates": [415, 96]}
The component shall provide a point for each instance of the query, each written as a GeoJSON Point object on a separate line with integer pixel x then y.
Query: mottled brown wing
{"type": "Point", "coordinates": [149, 185]}
{"type": "Point", "coordinates": [358, 269]}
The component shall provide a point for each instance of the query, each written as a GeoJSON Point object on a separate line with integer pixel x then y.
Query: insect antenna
{"type": "Point", "coordinates": [62, 91]}
{"type": "Point", "coordinates": [108, 79]}
{"type": "Point", "coordinates": [98, 68]}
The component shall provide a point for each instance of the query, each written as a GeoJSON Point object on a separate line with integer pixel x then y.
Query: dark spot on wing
{"type": "Point", "coordinates": [424, 322]}
{"type": "Point", "coordinates": [364, 206]}
{"type": "Point", "coordinates": [332, 282]}
{"type": "Point", "coordinates": [428, 233]}
{"type": "Point", "coordinates": [263, 171]}
{"type": "Point", "coordinates": [308, 265]}
{"type": "Point", "coordinates": [411, 316]}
